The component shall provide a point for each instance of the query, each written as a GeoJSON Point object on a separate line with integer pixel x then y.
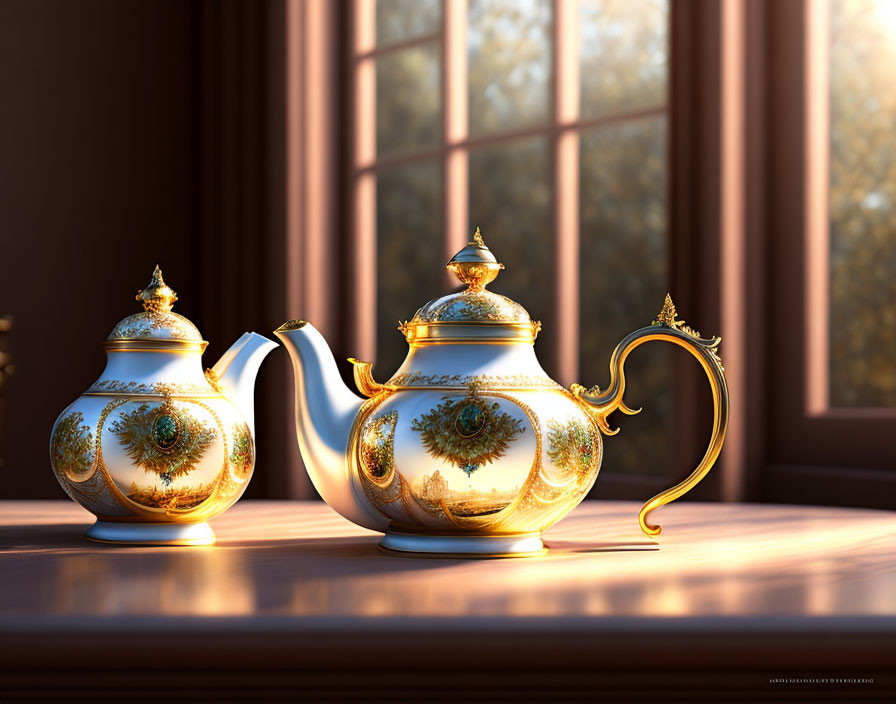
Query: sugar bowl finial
{"type": "Point", "coordinates": [158, 297]}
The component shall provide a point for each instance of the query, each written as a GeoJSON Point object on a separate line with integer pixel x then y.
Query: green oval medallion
{"type": "Point", "coordinates": [165, 431]}
{"type": "Point", "coordinates": [469, 421]}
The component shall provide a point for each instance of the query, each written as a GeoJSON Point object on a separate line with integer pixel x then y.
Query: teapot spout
{"type": "Point", "coordinates": [325, 413]}
{"type": "Point", "coordinates": [235, 373]}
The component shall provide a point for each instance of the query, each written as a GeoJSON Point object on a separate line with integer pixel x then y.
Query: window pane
{"type": "Point", "coordinates": [863, 203]}
{"type": "Point", "coordinates": [623, 55]}
{"type": "Point", "coordinates": [408, 101]}
{"type": "Point", "coordinates": [404, 19]}
{"type": "Point", "coordinates": [509, 62]}
{"type": "Point", "coordinates": [510, 200]}
{"type": "Point", "coordinates": [409, 253]}
{"type": "Point", "coordinates": [624, 279]}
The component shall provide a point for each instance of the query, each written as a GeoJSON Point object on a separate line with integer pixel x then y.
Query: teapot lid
{"type": "Point", "coordinates": [156, 322]}
{"type": "Point", "coordinates": [474, 313]}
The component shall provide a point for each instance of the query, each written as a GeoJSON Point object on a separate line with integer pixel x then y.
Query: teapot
{"type": "Point", "coordinates": [470, 448]}
{"type": "Point", "coordinates": [155, 447]}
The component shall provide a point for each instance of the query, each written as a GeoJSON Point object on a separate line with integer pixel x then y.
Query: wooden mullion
{"type": "Point", "coordinates": [362, 249]}
{"type": "Point", "coordinates": [455, 179]}
{"type": "Point", "coordinates": [565, 145]}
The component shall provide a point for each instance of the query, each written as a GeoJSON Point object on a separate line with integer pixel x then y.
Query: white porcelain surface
{"type": "Point", "coordinates": [101, 444]}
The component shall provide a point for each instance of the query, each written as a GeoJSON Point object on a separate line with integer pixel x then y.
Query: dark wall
{"type": "Point", "coordinates": [137, 132]}
{"type": "Point", "coordinates": [97, 184]}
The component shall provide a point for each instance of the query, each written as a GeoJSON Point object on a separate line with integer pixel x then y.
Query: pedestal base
{"type": "Point", "coordinates": [410, 545]}
{"type": "Point", "coordinates": [151, 533]}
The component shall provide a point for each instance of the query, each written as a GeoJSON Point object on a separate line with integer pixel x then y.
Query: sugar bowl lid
{"type": "Point", "coordinates": [474, 313]}
{"type": "Point", "coordinates": [156, 323]}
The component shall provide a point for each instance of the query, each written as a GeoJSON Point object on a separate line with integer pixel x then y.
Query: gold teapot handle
{"type": "Point", "coordinates": [601, 404]}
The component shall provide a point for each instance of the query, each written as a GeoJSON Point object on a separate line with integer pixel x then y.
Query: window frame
{"type": "Point", "coordinates": [739, 130]}
{"type": "Point", "coordinates": [835, 455]}
{"type": "Point", "coordinates": [562, 129]}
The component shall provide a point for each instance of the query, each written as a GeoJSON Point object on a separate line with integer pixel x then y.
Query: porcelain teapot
{"type": "Point", "coordinates": [470, 448]}
{"type": "Point", "coordinates": [155, 447]}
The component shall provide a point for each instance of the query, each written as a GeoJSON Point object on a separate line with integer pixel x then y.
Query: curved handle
{"type": "Point", "coordinates": [602, 404]}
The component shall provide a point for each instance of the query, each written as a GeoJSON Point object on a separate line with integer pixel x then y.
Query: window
{"type": "Point", "coordinates": [545, 124]}
{"type": "Point", "coordinates": [830, 185]}
{"type": "Point", "coordinates": [862, 203]}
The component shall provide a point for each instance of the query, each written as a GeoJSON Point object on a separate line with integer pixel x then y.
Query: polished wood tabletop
{"type": "Point", "coordinates": [292, 586]}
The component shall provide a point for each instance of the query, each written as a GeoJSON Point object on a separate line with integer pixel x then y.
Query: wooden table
{"type": "Point", "coordinates": [294, 600]}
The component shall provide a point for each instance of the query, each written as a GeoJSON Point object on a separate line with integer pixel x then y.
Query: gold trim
{"type": "Point", "coordinates": [600, 405]}
{"type": "Point", "coordinates": [364, 378]}
{"type": "Point", "coordinates": [369, 387]}
{"type": "Point", "coordinates": [291, 325]}
{"type": "Point", "coordinates": [154, 345]}
{"type": "Point", "coordinates": [468, 341]}
{"type": "Point", "coordinates": [481, 331]}
{"type": "Point", "coordinates": [114, 387]}
{"type": "Point", "coordinates": [487, 387]}
{"type": "Point", "coordinates": [407, 381]}
{"type": "Point", "coordinates": [212, 378]}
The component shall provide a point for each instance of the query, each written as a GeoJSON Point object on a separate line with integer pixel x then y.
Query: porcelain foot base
{"type": "Point", "coordinates": [151, 533]}
{"type": "Point", "coordinates": [409, 545]}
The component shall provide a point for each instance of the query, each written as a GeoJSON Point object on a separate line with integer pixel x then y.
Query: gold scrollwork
{"type": "Point", "coordinates": [141, 325]}
{"type": "Point", "coordinates": [546, 494]}
{"type": "Point", "coordinates": [187, 505]}
{"type": "Point", "coordinates": [72, 451]}
{"type": "Point", "coordinates": [571, 445]}
{"type": "Point", "coordinates": [242, 455]}
{"type": "Point", "coordinates": [667, 317]}
{"type": "Point", "coordinates": [377, 446]}
{"type": "Point", "coordinates": [412, 380]}
{"type": "Point", "coordinates": [171, 499]}
{"type": "Point", "coordinates": [468, 432]}
{"type": "Point", "coordinates": [113, 386]}
{"type": "Point", "coordinates": [163, 439]}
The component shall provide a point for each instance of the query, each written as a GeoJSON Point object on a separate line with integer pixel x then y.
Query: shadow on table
{"type": "Point", "coordinates": [68, 536]}
{"type": "Point", "coordinates": [43, 536]}
{"type": "Point", "coordinates": [368, 546]}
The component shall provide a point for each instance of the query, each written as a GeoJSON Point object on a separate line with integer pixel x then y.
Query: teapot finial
{"type": "Point", "coordinates": [475, 265]}
{"type": "Point", "coordinates": [158, 297]}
